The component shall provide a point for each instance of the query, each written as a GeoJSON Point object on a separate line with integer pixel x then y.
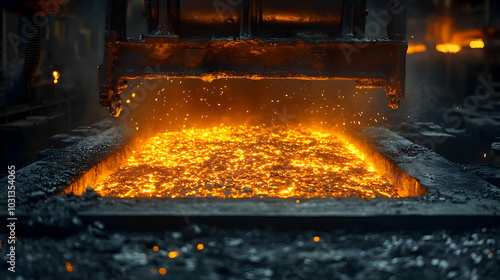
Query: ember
{"type": "Point", "coordinates": [242, 161]}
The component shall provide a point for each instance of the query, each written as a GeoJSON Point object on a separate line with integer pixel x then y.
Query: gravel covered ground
{"type": "Point", "coordinates": [98, 253]}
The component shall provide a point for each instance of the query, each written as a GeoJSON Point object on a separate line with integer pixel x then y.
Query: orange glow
{"type": "Point", "coordinates": [162, 271]}
{"type": "Point", "coordinates": [316, 239]}
{"type": "Point", "coordinates": [69, 268]}
{"type": "Point", "coordinates": [56, 76]}
{"type": "Point", "coordinates": [155, 248]}
{"type": "Point", "coordinates": [200, 247]}
{"type": "Point", "coordinates": [241, 162]}
{"type": "Point", "coordinates": [490, 255]}
{"type": "Point", "coordinates": [416, 48]}
{"type": "Point", "coordinates": [477, 44]}
{"type": "Point", "coordinates": [448, 48]}
{"type": "Point", "coordinates": [173, 255]}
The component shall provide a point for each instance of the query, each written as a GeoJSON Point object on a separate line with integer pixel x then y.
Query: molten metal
{"type": "Point", "coordinates": [239, 162]}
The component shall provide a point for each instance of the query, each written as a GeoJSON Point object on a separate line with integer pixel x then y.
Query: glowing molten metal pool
{"type": "Point", "coordinates": [240, 162]}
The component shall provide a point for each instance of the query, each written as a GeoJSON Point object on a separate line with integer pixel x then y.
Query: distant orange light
{"type": "Point", "coordinates": [448, 48]}
{"type": "Point", "coordinates": [153, 271]}
{"type": "Point", "coordinates": [155, 248]}
{"type": "Point", "coordinates": [316, 239]}
{"type": "Point", "coordinates": [69, 268]}
{"type": "Point", "coordinates": [477, 44]}
{"type": "Point", "coordinates": [173, 255]}
{"type": "Point", "coordinates": [416, 48]}
{"type": "Point", "coordinates": [162, 271]}
{"type": "Point", "coordinates": [200, 247]}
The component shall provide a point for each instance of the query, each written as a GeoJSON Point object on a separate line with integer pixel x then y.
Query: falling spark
{"type": "Point", "coordinates": [69, 268]}
{"type": "Point", "coordinates": [477, 44]}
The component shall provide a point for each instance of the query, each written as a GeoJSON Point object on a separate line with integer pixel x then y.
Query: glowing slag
{"type": "Point", "coordinates": [244, 161]}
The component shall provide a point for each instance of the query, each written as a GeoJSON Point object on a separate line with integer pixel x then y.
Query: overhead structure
{"type": "Point", "coordinates": [256, 39]}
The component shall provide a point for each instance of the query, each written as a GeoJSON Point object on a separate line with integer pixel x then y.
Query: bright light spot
{"type": "Point", "coordinates": [200, 247]}
{"type": "Point", "coordinates": [56, 75]}
{"type": "Point", "coordinates": [416, 48]}
{"type": "Point", "coordinates": [173, 255]}
{"type": "Point", "coordinates": [490, 255]}
{"type": "Point", "coordinates": [316, 239]}
{"type": "Point", "coordinates": [69, 268]}
{"type": "Point", "coordinates": [128, 101]}
{"type": "Point", "coordinates": [477, 44]}
{"type": "Point", "coordinates": [448, 48]}
{"type": "Point", "coordinates": [155, 248]}
{"type": "Point", "coordinates": [162, 271]}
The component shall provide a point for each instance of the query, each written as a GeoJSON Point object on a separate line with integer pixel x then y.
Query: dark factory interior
{"type": "Point", "coordinates": [250, 139]}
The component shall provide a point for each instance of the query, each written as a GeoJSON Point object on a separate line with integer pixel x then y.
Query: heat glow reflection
{"type": "Point", "coordinates": [242, 161]}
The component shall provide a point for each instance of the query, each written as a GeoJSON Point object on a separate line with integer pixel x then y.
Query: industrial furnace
{"type": "Point", "coordinates": [251, 139]}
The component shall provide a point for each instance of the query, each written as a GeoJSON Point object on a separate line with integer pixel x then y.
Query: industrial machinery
{"type": "Point", "coordinates": [256, 39]}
